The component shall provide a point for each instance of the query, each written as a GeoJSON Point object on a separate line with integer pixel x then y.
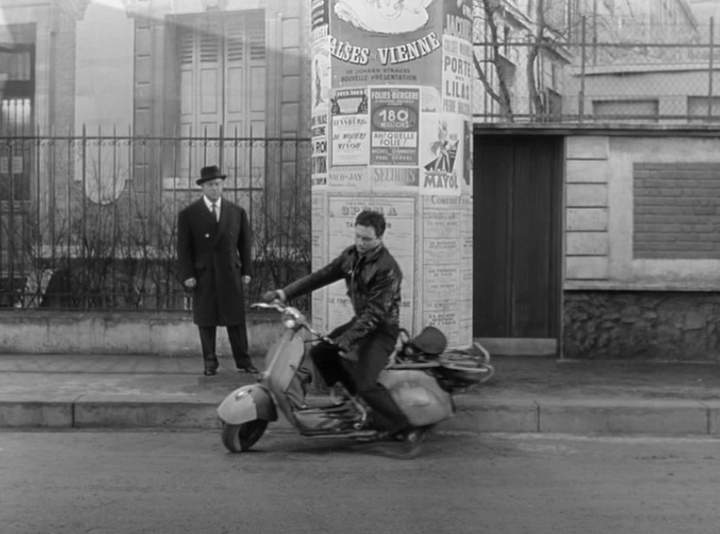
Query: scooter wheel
{"type": "Point", "coordinates": [239, 438]}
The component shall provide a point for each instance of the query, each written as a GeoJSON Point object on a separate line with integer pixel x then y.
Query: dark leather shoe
{"type": "Point", "coordinates": [413, 441]}
{"type": "Point", "coordinates": [211, 367]}
{"type": "Point", "coordinates": [249, 368]}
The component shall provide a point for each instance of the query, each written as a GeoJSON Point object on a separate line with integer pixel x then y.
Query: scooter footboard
{"type": "Point", "coordinates": [418, 395]}
{"type": "Point", "coordinates": [246, 404]}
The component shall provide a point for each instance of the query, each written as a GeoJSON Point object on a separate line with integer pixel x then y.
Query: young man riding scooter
{"type": "Point", "coordinates": [361, 347]}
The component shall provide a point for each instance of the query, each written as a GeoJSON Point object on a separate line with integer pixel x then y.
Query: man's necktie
{"type": "Point", "coordinates": [213, 209]}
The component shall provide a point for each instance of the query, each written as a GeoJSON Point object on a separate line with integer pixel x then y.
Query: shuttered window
{"type": "Point", "coordinates": [222, 60]}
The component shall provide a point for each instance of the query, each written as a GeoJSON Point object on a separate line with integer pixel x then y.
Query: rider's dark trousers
{"type": "Point", "coordinates": [360, 377]}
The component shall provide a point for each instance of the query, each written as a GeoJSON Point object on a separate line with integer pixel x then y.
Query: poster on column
{"type": "Point", "coordinates": [466, 186]}
{"type": "Point", "coordinates": [319, 18]}
{"type": "Point", "coordinates": [386, 42]}
{"type": "Point", "coordinates": [441, 154]}
{"type": "Point", "coordinates": [399, 238]}
{"type": "Point", "coordinates": [458, 70]}
{"type": "Point", "coordinates": [442, 290]}
{"type": "Point", "coordinates": [320, 71]}
{"type": "Point", "coordinates": [466, 226]}
{"type": "Point", "coordinates": [318, 161]}
{"type": "Point", "coordinates": [320, 87]}
{"type": "Point", "coordinates": [440, 299]}
{"type": "Point", "coordinates": [318, 252]}
{"type": "Point", "coordinates": [350, 128]}
{"type": "Point", "coordinates": [466, 269]}
{"type": "Point", "coordinates": [394, 125]}
{"type": "Point", "coordinates": [394, 179]}
{"type": "Point", "coordinates": [353, 178]}
{"type": "Point", "coordinates": [457, 75]}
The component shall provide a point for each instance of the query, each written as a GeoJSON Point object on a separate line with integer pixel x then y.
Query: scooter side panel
{"type": "Point", "coordinates": [246, 404]}
{"type": "Point", "coordinates": [418, 395]}
{"type": "Point", "coordinates": [291, 350]}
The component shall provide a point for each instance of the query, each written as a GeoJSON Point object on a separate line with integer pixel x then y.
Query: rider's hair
{"type": "Point", "coordinates": [372, 218]}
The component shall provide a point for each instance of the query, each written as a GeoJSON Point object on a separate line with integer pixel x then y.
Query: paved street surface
{"type": "Point", "coordinates": [184, 482]}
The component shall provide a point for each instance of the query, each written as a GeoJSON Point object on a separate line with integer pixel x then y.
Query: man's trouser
{"type": "Point", "coordinates": [237, 335]}
{"type": "Point", "coordinates": [360, 377]}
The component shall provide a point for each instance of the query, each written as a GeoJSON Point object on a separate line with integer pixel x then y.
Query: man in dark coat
{"type": "Point", "coordinates": [213, 248]}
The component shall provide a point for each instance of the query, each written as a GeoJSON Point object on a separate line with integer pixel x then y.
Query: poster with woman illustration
{"type": "Point", "coordinates": [386, 42]}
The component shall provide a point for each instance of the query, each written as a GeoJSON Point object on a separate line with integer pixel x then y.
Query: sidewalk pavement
{"type": "Point", "coordinates": [527, 394]}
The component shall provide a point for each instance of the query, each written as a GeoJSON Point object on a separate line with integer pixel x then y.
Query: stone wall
{"type": "Point", "coordinates": [656, 325]}
{"type": "Point", "coordinates": [164, 333]}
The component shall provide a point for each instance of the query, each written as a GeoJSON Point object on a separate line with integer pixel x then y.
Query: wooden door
{"type": "Point", "coordinates": [517, 236]}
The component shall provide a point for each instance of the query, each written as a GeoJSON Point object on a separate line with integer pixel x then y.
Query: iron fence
{"type": "Point", "coordinates": [89, 221]}
{"type": "Point", "coordinates": [611, 71]}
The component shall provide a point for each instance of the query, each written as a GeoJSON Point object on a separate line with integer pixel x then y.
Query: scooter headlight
{"type": "Point", "coordinates": [289, 321]}
{"type": "Point", "coordinates": [292, 318]}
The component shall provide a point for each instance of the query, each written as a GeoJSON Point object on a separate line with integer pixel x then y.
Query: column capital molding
{"type": "Point", "coordinates": [160, 8]}
{"type": "Point", "coordinates": [75, 8]}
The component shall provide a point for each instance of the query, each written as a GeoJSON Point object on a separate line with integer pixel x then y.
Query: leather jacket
{"type": "Point", "coordinates": [373, 285]}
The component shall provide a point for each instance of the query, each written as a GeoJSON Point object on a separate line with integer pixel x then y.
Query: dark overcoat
{"type": "Point", "coordinates": [217, 254]}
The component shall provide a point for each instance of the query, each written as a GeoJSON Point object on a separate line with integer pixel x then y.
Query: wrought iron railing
{"type": "Point", "coordinates": [88, 221]}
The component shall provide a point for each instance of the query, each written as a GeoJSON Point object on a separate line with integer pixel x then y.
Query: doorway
{"type": "Point", "coordinates": [517, 239]}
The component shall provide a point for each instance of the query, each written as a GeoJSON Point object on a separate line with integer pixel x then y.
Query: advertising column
{"type": "Point", "coordinates": [319, 114]}
{"type": "Point", "coordinates": [392, 131]}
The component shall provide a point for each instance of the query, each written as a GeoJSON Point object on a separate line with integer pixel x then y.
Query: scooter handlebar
{"type": "Point", "coordinates": [274, 305]}
{"type": "Point", "coordinates": [280, 306]}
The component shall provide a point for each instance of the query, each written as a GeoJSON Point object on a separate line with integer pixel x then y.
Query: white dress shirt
{"type": "Point", "coordinates": [208, 203]}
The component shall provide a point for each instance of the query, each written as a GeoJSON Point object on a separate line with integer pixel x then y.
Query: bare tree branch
{"type": "Point", "coordinates": [502, 97]}
{"type": "Point", "coordinates": [484, 79]}
{"type": "Point", "coordinates": [537, 107]}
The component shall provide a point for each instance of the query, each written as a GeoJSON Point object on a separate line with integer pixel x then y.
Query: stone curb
{"type": "Point", "coordinates": [577, 416]}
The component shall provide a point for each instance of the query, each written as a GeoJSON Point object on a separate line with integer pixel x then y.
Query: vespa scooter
{"type": "Point", "coordinates": [420, 383]}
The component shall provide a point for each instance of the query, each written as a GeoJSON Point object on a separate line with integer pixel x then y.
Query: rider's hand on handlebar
{"type": "Point", "coordinates": [342, 344]}
{"type": "Point", "coordinates": [273, 294]}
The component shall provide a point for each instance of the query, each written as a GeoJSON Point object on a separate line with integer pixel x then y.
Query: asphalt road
{"type": "Point", "coordinates": [184, 482]}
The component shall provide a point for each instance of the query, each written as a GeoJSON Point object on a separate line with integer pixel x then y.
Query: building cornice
{"type": "Point", "coordinates": [75, 8]}
{"type": "Point", "coordinates": [162, 8]}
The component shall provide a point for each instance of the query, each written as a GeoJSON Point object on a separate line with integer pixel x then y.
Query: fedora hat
{"type": "Point", "coordinates": [209, 173]}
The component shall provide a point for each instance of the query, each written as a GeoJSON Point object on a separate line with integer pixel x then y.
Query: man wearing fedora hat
{"type": "Point", "coordinates": [213, 248]}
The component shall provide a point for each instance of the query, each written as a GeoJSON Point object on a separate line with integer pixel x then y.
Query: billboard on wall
{"type": "Point", "coordinates": [319, 107]}
{"type": "Point", "coordinates": [350, 126]}
{"type": "Point", "coordinates": [394, 125]}
{"type": "Point", "coordinates": [385, 42]}
{"type": "Point", "coordinates": [458, 71]}
{"type": "Point", "coordinates": [318, 14]}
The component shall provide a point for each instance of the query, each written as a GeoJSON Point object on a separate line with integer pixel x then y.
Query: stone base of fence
{"type": "Point", "coordinates": [163, 333]}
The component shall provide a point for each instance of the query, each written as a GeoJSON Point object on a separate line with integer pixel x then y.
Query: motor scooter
{"type": "Point", "coordinates": [421, 384]}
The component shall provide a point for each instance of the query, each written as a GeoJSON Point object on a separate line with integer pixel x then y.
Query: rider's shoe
{"type": "Point", "coordinates": [407, 443]}
{"type": "Point", "coordinates": [338, 393]}
{"type": "Point", "coordinates": [412, 442]}
{"type": "Point", "coordinates": [367, 435]}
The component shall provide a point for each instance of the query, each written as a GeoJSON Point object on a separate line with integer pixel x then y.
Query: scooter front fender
{"type": "Point", "coordinates": [246, 404]}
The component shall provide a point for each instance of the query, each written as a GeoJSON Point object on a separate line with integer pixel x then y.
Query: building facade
{"type": "Point", "coordinates": [111, 107]}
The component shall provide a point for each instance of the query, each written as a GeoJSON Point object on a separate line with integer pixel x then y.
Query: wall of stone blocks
{"type": "Point", "coordinates": [624, 191]}
{"type": "Point", "coordinates": [642, 247]}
